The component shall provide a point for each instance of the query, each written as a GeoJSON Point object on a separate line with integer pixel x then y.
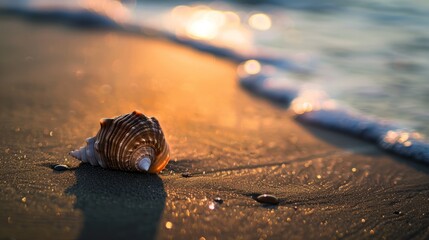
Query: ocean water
{"type": "Point", "coordinates": [369, 55]}
{"type": "Point", "coordinates": [359, 67]}
{"type": "Point", "coordinates": [372, 56]}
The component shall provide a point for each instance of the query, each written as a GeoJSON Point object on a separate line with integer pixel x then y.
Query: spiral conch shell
{"type": "Point", "coordinates": [130, 142]}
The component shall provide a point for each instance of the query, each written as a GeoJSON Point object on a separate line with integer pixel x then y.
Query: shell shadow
{"type": "Point", "coordinates": [118, 205]}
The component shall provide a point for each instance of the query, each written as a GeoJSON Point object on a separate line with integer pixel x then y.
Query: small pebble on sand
{"type": "Point", "coordinates": [218, 200]}
{"type": "Point", "coordinates": [61, 167]}
{"type": "Point", "coordinates": [186, 174]}
{"type": "Point", "coordinates": [268, 199]}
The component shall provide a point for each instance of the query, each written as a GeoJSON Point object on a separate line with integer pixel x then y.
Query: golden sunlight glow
{"type": "Point", "coordinates": [205, 24]}
{"type": "Point", "coordinates": [113, 9]}
{"type": "Point", "coordinates": [249, 67]}
{"type": "Point", "coordinates": [401, 137]}
{"type": "Point", "coordinates": [202, 29]}
{"type": "Point", "coordinates": [169, 225]}
{"type": "Point", "coordinates": [221, 28]}
{"type": "Point", "coordinates": [301, 106]}
{"type": "Point", "coordinates": [312, 100]}
{"type": "Point", "coordinates": [252, 67]}
{"type": "Point", "coordinates": [260, 21]}
{"type": "Point", "coordinates": [391, 137]}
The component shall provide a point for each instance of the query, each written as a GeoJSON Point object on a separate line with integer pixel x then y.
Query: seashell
{"type": "Point", "coordinates": [130, 142]}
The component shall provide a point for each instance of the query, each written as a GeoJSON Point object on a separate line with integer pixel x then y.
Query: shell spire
{"type": "Point", "coordinates": [130, 142]}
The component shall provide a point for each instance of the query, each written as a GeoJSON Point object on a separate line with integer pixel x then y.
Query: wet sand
{"type": "Point", "coordinates": [55, 85]}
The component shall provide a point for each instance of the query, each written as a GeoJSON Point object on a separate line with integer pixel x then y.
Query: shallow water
{"type": "Point", "coordinates": [370, 56]}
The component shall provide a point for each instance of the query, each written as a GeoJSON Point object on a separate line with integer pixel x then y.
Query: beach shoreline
{"type": "Point", "coordinates": [57, 82]}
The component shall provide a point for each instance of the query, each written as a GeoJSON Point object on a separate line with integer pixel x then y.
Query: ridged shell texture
{"type": "Point", "coordinates": [130, 142]}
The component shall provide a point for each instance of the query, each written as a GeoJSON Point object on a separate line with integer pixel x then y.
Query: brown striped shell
{"type": "Point", "coordinates": [130, 142]}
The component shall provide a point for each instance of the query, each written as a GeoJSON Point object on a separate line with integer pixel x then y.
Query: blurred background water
{"type": "Point", "coordinates": [369, 55]}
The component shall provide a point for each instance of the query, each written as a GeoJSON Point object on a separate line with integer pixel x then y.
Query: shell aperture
{"type": "Point", "coordinates": [130, 142]}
